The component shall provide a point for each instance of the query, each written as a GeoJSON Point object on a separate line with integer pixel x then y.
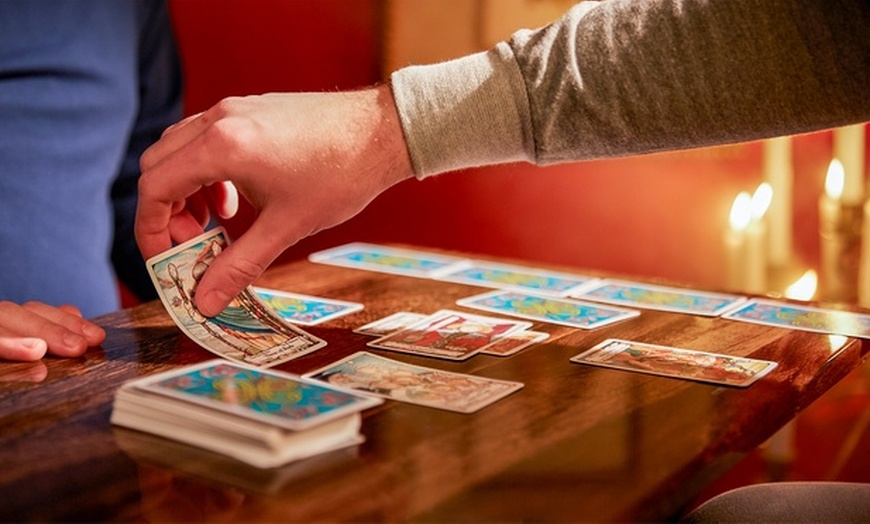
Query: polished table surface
{"type": "Point", "coordinates": [576, 443]}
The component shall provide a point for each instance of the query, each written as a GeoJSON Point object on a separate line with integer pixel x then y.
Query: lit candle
{"type": "Point", "coordinates": [779, 173]}
{"type": "Point", "coordinates": [849, 149]}
{"type": "Point", "coordinates": [735, 240]}
{"type": "Point", "coordinates": [756, 240]}
{"type": "Point", "coordinates": [746, 241]}
{"type": "Point", "coordinates": [840, 231]}
{"type": "Point", "coordinates": [803, 288]}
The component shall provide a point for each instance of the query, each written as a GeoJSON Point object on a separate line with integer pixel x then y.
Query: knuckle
{"type": "Point", "coordinates": [244, 271]}
{"type": "Point", "coordinates": [144, 184]}
{"type": "Point", "coordinates": [229, 136]}
{"type": "Point", "coordinates": [146, 161]}
{"type": "Point", "coordinates": [32, 305]}
{"type": "Point", "coordinates": [224, 107]}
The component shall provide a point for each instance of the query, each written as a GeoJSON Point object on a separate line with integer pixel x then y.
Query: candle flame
{"type": "Point", "coordinates": [835, 180]}
{"type": "Point", "coordinates": [804, 288]}
{"type": "Point", "coordinates": [741, 211]}
{"type": "Point", "coordinates": [761, 200]}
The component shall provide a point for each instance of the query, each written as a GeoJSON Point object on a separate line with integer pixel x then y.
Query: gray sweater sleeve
{"type": "Point", "coordinates": [628, 77]}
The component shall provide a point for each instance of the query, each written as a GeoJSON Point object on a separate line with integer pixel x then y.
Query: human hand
{"type": "Point", "coordinates": [29, 331]}
{"type": "Point", "coordinates": [305, 161]}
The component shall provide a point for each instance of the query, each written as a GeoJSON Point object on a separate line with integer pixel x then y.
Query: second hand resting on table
{"type": "Point", "coordinates": [29, 331]}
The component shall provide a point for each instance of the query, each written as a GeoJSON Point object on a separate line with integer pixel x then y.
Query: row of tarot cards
{"type": "Point", "coordinates": [583, 301]}
{"type": "Point", "coordinates": [268, 418]}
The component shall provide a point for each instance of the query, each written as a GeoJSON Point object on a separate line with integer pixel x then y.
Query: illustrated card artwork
{"type": "Point", "coordinates": [304, 309]}
{"type": "Point", "coordinates": [506, 276]}
{"type": "Point", "coordinates": [804, 318]}
{"type": "Point", "coordinates": [369, 373]}
{"type": "Point", "coordinates": [677, 363]}
{"type": "Point", "coordinates": [387, 259]}
{"type": "Point", "coordinates": [584, 315]}
{"type": "Point", "coordinates": [449, 334]}
{"type": "Point", "coordinates": [390, 324]}
{"type": "Point", "coordinates": [277, 398]}
{"type": "Point", "coordinates": [515, 342]}
{"type": "Point", "coordinates": [246, 331]}
{"type": "Point", "coordinates": [660, 297]}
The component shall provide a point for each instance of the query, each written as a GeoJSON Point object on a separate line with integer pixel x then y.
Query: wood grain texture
{"type": "Point", "coordinates": [576, 443]}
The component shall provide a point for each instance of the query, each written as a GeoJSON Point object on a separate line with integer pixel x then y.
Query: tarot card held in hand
{"type": "Point", "coordinates": [246, 331]}
{"type": "Point", "coordinates": [506, 276]}
{"type": "Point", "coordinates": [662, 298]}
{"type": "Point", "coordinates": [677, 363]}
{"type": "Point", "coordinates": [804, 318]}
{"type": "Point", "coordinates": [387, 259]}
{"type": "Point", "coordinates": [555, 310]}
{"type": "Point", "coordinates": [304, 309]}
{"type": "Point", "coordinates": [395, 380]}
{"type": "Point", "coordinates": [449, 334]}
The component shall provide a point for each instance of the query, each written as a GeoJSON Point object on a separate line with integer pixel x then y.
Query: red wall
{"type": "Point", "coordinates": [657, 216]}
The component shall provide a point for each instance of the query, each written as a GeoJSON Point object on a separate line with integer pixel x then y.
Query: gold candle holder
{"type": "Point", "coordinates": [840, 227]}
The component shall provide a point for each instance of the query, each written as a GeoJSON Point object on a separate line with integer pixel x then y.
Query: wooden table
{"type": "Point", "coordinates": [577, 443]}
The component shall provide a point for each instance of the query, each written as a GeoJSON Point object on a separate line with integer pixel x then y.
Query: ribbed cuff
{"type": "Point", "coordinates": [467, 112]}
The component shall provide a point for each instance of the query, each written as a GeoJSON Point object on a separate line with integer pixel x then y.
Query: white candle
{"type": "Point", "coordinates": [849, 149]}
{"type": "Point", "coordinates": [779, 173]}
{"type": "Point", "coordinates": [756, 241]}
{"type": "Point", "coordinates": [746, 242]}
{"type": "Point", "coordinates": [840, 238]}
{"type": "Point", "coordinates": [735, 241]}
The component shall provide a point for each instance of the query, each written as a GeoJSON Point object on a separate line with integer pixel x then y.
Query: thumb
{"type": "Point", "coordinates": [236, 268]}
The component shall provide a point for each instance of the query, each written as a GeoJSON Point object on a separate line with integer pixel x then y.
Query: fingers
{"type": "Point", "coordinates": [155, 219]}
{"type": "Point", "coordinates": [237, 267]}
{"type": "Point", "coordinates": [29, 331]}
{"type": "Point", "coordinates": [71, 319]}
{"type": "Point", "coordinates": [220, 198]}
{"type": "Point", "coordinates": [23, 349]}
{"type": "Point", "coordinates": [162, 213]}
{"type": "Point", "coordinates": [226, 199]}
{"type": "Point", "coordinates": [173, 138]}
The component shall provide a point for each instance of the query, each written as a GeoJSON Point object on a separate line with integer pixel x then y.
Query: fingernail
{"type": "Point", "coordinates": [32, 343]}
{"type": "Point", "coordinates": [35, 348]}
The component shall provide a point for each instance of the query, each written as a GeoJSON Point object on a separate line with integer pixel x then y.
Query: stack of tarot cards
{"type": "Point", "coordinates": [262, 417]}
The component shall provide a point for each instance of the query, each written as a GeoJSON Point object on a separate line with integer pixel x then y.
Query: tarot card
{"type": "Point", "coordinates": [513, 343]}
{"type": "Point", "coordinates": [659, 297]}
{"type": "Point", "coordinates": [246, 331]}
{"type": "Point", "coordinates": [390, 324]}
{"type": "Point", "coordinates": [395, 380]}
{"type": "Point", "coordinates": [554, 310]}
{"type": "Point", "coordinates": [272, 397]}
{"type": "Point", "coordinates": [304, 309]}
{"type": "Point", "coordinates": [449, 334]}
{"type": "Point", "coordinates": [804, 318]}
{"type": "Point", "coordinates": [506, 276]}
{"type": "Point", "coordinates": [677, 363]}
{"type": "Point", "coordinates": [387, 259]}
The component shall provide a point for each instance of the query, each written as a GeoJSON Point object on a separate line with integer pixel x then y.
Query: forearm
{"type": "Point", "coordinates": [628, 77]}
